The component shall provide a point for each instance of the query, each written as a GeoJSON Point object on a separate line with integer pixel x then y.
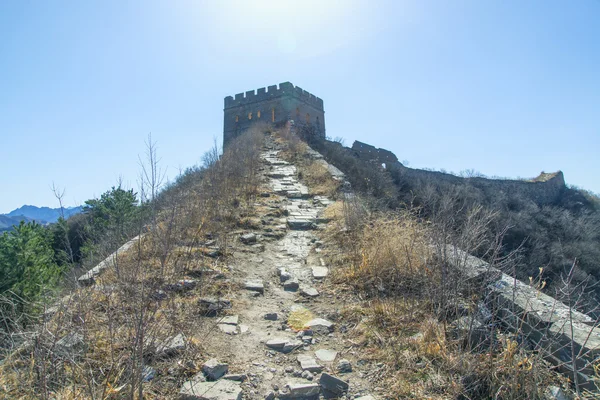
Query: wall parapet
{"type": "Point", "coordinates": [551, 326]}
{"type": "Point", "coordinates": [545, 189]}
{"type": "Point", "coordinates": [273, 92]}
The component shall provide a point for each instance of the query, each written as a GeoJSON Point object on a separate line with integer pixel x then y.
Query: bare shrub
{"type": "Point", "coordinates": [419, 314]}
{"type": "Point", "coordinates": [393, 258]}
{"type": "Point", "coordinates": [98, 341]}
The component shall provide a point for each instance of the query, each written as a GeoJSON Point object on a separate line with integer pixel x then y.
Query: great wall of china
{"type": "Point", "coordinates": [569, 339]}
{"type": "Point", "coordinates": [252, 350]}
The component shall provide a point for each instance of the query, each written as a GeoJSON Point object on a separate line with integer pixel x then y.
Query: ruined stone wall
{"type": "Point", "coordinates": [274, 105]}
{"type": "Point", "coordinates": [541, 322]}
{"type": "Point", "coordinates": [542, 192]}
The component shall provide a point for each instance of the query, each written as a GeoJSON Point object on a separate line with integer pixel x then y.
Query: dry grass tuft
{"type": "Point", "coordinates": [335, 212]}
{"type": "Point", "coordinates": [391, 255]}
{"type": "Point", "coordinates": [385, 262]}
{"type": "Point", "coordinates": [318, 179]}
{"type": "Point", "coordinates": [299, 317]}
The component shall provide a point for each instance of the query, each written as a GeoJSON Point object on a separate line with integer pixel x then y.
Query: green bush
{"type": "Point", "coordinates": [27, 264]}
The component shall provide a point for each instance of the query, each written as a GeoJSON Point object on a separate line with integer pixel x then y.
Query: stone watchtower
{"type": "Point", "coordinates": [275, 106]}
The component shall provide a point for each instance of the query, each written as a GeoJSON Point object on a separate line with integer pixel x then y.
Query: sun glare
{"type": "Point", "coordinates": [299, 28]}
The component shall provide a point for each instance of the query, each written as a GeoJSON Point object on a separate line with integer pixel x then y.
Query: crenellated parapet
{"type": "Point", "coordinates": [271, 93]}
{"type": "Point", "coordinates": [276, 105]}
{"type": "Point", "coordinates": [544, 190]}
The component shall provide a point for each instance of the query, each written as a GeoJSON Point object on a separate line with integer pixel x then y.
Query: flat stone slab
{"type": "Point", "coordinates": [307, 363]}
{"type": "Point", "coordinates": [292, 345]}
{"type": "Point", "coordinates": [276, 343]}
{"type": "Point", "coordinates": [333, 384]}
{"type": "Point", "coordinates": [229, 320]}
{"type": "Point", "coordinates": [213, 369]}
{"type": "Point", "coordinates": [320, 272]}
{"type": "Point", "coordinates": [236, 377]}
{"type": "Point", "coordinates": [309, 292]}
{"type": "Point", "coordinates": [255, 286]}
{"type": "Point", "coordinates": [89, 277]}
{"type": "Point", "coordinates": [299, 389]}
{"type": "Point", "coordinates": [172, 346]}
{"type": "Point", "coordinates": [326, 355]}
{"type": "Point", "coordinates": [300, 224]}
{"type": "Point", "coordinates": [283, 345]}
{"type": "Point", "coordinates": [319, 325]}
{"type": "Point", "coordinates": [228, 328]}
{"type": "Point", "coordinates": [220, 390]}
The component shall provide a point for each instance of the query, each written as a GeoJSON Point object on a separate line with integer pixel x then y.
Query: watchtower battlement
{"type": "Point", "coordinates": [275, 104]}
{"type": "Point", "coordinates": [272, 92]}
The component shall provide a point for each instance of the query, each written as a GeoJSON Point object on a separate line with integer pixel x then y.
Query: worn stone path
{"type": "Point", "coordinates": [283, 282]}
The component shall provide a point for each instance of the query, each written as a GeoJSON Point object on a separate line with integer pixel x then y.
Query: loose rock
{"type": "Point", "coordinates": [212, 307]}
{"type": "Point", "coordinates": [228, 329]}
{"type": "Point", "coordinates": [320, 326]}
{"type": "Point", "coordinates": [333, 384]}
{"type": "Point", "coordinates": [555, 393]}
{"type": "Point", "coordinates": [320, 272]}
{"type": "Point", "coordinates": [291, 345]}
{"type": "Point", "coordinates": [270, 396]}
{"type": "Point", "coordinates": [308, 363]}
{"type": "Point", "coordinates": [276, 343]}
{"type": "Point", "coordinates": [307, 375]}
{"type": "Point", "coordinates": [236, 377]}
{"type": "Point", "coordinates": [248, 238]}
{"type": "Point", "coordinates": [326, 355]}
{"type": "Point", "coordinates": [255, 286]}
{"type": "Point", "coordinates": [309, 292]}
{"type": "Point", "coordinates": [172, 346]}
{"type": "Point", "coordinates": [148, 373]}
{"type": "Point", "coordinates": [291, 284]}
{"type": "Point", "coordinates": [284, 275]}
{"type": "Point", "coordinates": [303, 389]}
{"type": "Point", "coordinates": [271, 316]}
{"type": "Point", "coordinates": [230, 320]}
{"type": "Point", "coordinates": [213, 369]}
{"type": "Point", "coordinates": [344, 366]}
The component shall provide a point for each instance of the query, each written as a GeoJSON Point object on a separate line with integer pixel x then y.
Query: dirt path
{"type": "Point", "coordinates": [284, 283]}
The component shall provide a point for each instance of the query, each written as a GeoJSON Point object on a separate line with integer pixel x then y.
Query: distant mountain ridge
{"type": "Point", "coordinates": [41, 215]}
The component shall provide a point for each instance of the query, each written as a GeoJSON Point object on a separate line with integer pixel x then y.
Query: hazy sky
{"type": "Point", "coordinates": [508, 88]}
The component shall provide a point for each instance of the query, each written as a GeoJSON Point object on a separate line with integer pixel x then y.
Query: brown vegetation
{"type": "Point", "coordinates": [150, 295]}
{"type": "Point", "coordinates": [409, 312]}
{"type": "Point", "coordinates": [312, 172]}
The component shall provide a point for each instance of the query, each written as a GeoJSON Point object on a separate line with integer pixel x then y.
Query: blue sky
{"type": "Point", "coordinates": [508, 88]}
